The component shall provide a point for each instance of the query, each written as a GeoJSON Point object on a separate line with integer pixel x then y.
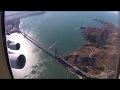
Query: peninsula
{"type": "Point", "coordinates": [98, 58]}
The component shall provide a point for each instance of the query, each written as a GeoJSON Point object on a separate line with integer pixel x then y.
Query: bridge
{"type": "Point", "coordinates": [62, 61]}
{"type": "Point", "coordinates": [39, 45]}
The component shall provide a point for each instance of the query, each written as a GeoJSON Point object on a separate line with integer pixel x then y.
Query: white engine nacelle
{"type": "Point", "coordinates": [17, 61]}
{"type": "Point", "coordinates": [13, 45]}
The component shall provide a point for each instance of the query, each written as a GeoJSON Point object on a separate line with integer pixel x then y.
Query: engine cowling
{"type": "Point", "coordinates": [12, 45]}
{"type": "Point", "coordinates": [17, 61]}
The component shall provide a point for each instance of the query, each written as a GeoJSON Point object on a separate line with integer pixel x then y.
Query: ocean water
{"type": "Point", "coordinates": [55, 29]}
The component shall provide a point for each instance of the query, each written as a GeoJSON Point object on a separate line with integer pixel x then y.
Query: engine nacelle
{"type": "Point", "coordinates": [17, 61]}
{"type": "Point", "coordinates": [13, 45]}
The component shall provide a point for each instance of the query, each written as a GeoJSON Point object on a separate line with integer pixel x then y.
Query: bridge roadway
{"type": "Point", "coordinates": [63, 61]}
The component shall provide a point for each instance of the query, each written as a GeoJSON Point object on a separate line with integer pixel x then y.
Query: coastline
{"type": "Point", "coordinates": [23, 14]}
{"type": "Point", "coordinates": [12, 21]}
{"type": "Point", "coordinates": [95, 57]}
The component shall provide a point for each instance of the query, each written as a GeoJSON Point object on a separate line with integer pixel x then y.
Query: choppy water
{"type": "Point", "coordinates": [54, 29]}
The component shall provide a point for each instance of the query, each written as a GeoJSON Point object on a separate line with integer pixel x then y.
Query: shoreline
{"type": "Point", "coordinates": [12, 21]}
{"type": "Point", "coordinates": [96, 38]}
{"type": "Point", "coordinates": [23, 14]}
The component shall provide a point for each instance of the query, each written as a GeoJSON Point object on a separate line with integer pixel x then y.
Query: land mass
{"type": "Point", "coordinates": [12, 21]}
{"type": "Point", "coordinates": [98, 58]}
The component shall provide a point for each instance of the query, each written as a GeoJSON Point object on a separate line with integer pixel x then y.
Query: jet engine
{"type": "Point", "coordinates": [17, 61]}
{"type": "Point", "coordinates": [14, 46]}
